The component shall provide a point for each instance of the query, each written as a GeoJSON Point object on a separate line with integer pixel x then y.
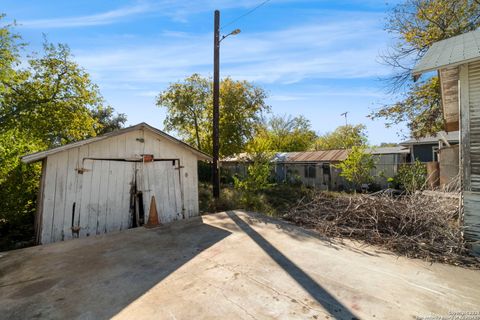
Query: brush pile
{"type": "Point", "coordinates": [421, 225]}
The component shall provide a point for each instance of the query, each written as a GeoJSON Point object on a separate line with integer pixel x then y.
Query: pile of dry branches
{"type": "Point", "coordinates": [420, 225]}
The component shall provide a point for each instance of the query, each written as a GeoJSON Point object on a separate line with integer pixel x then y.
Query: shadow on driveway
{"type": "Point", "coordinates": [96, 278]}
{"type": "Point", "coordinates": [322, 296]}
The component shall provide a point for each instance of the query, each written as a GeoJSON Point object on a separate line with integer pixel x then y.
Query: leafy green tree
{"type": "Point", "coordinates": [10, 48]}
{"type": "Point", "coordinates": [108, 120]}
{"type": "Point", "coordinates": [417, 24]}
{"type": "Point", "coordinates": [55, 101]}
{"type": "Point", "coordinates": [48, 102]}
{"type": "Point", "coordinates": [344, 137]}
{"type": "Point", "coordinates": [286, 134]}
{"type": "Point", "coordinates": [190, 108]}
{"type": "Point", "coordinates": [187, 106]}
{"type": "Point", "coordinates": [357, 167]}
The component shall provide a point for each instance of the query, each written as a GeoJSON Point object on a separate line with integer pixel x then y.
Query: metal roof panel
{"type": "Point", "coordinates": [453, 51]}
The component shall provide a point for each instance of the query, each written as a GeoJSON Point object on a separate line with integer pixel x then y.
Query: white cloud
{"type": "Point", "coordinates": [334, 50]}
{"type": "Point", "coordinates": [177, 10]}
{"type": "Point", "coordinates": [89, 20]}
{"type": "Point", "coordinates": [326, 91]}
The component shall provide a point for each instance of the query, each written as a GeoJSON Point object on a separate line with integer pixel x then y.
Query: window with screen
{"type": "Point", "coordinates": [310, 171]}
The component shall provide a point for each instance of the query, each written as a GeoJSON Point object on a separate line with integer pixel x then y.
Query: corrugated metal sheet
{"type": "Point", "coordinates": [474, 124]}
{"type": "Point", "coordinates": [317, 156]}
{"type": "Point", "coordinates": [453, 51]}
{"type": "Point", "coordinates": [471, 203]}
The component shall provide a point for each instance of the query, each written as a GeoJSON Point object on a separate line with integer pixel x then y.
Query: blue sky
{"type": "Point", "coordinates": [316, 58]}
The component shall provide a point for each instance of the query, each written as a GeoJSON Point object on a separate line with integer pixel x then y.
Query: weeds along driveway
{"type": "Point", "coordinates": [235, 265]}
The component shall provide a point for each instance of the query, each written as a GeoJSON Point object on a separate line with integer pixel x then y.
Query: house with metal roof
{"type": "Point", "coordinates": [107, 183]}
{"type": "Point", "coordinates": [318, 168]}
{"type": "Point", "coordinates": [311, 168]}
{"type": "Point", "coordinates": [457, 61]}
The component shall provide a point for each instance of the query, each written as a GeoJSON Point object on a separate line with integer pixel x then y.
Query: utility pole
{"type": "Point", "coordinates": [216, 102]}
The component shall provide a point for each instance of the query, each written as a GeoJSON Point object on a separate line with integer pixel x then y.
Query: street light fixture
{"type": "Point", "coordinates": [234, 32]}
{"type": "Point", "coordinates": [216, 101]}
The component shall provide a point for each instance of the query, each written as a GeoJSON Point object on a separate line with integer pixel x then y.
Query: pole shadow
{"type": "Point", "coordinates": [322, 296]}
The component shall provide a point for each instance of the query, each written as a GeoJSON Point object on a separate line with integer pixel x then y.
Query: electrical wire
{"type": "Point", "coordinates": [245, 14]}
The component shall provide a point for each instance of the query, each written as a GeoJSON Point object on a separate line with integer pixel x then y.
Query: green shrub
{"type": "Point", "coordinates": [257, 180]}
{"type": "Point", "coordinates": [412, 177]}
{"type": "Point", "coordinates": [357, 167]}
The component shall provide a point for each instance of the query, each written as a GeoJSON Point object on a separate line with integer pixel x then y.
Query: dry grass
{"type": "Point", "coordinates": [417, 226]}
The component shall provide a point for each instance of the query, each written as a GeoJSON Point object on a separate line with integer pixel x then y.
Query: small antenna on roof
{"type": "Point", "coordinates": [345, 115]}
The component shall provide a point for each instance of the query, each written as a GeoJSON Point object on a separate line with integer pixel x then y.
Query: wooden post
{"type": "Point", "coordinates": [216, 102]}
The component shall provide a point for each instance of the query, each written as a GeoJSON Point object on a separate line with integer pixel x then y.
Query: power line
{"type": "Point", "coordinates": [245, 14]}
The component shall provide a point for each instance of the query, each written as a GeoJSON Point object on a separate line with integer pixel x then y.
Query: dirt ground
{"type": "Point", "coordinates": [226, 265]}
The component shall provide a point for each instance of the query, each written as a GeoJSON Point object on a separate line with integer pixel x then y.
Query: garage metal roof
{"type": "Point", "coordinates": [449, 52]}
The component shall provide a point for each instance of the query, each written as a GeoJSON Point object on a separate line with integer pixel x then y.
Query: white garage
{"type": "Point", "coordinates": [106, 183]}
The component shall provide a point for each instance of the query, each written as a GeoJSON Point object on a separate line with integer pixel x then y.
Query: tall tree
{"type": "Point", "coordinates": [416, 25]}
{"type": "Point", "coordinates": [286, 134]}
{"type": "Point", "coordinates": [107, 119]}
{"type": "Point", "coordinates": [344, 137]}
{"type": "Point", "coordinates": [55, 100]}
{"type": "Point", "coordinates": [189, 112]}
{"type": "Point", "coordinates": [48, 102]}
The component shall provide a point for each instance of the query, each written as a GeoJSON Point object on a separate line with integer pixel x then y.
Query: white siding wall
{"type": "Point", "coordinates": [470, 150]}
{"type": "Point", "coordinates": [105, 188]}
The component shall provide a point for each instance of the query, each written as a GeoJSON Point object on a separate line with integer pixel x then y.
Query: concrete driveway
{"type": "Point", "coordinates": [226, 266]}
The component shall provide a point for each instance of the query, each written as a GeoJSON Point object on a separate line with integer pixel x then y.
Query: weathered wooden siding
{"type": "Point", "coordinates": [98, 200]}
{"type": "Point", "coordinates": [470, 150]}
{"type": "Point", "coordinates": [471, 203]}
{"type": "Point", "coordinates": [474, 124]}
{"type": "Point", "coordinates": [449, 85]}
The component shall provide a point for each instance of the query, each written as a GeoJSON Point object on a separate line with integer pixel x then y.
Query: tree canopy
{"type": "Point", "coordinates": [344, 137]}
{"type": "Point", "coordinates": [190, 108]}
{"type": "Point", "coordinates": [47, 101]}
{"type": "Point", "coordinates": [286, 134]}
{"type": "Point", "coordinates": [416, 25]}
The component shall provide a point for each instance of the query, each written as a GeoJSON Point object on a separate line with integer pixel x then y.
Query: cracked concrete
{"type": "Point", "coordinates": [226, 265]}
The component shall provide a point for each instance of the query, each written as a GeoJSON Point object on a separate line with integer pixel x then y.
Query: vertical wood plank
{"type": "Point", "coordinates": [93, 205]}
{"type": "Point", "coordinates": [86, 179]}
{"type": "Point", "coordinates": [39, 210]}
{"type": "Point", "coordinates": [465, 126]}
{"type": "Point", "coordinates": [103, 196]}
{"type": "Point", "coordinates": [60, 194]}
{"type": "Point", "coordinates": [128, 180]}
{"type": "Point", "coordinates": [71, 189]}
{"type": "Point", "coordinates": [113, 213]}
{"type": "Point", "coordinates": [80, 215]}
{"type": "Point", "coordinates": [49, 201]}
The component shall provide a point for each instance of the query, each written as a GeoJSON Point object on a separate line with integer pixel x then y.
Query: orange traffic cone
{"type": "Point", "coordinates": [152, 215]}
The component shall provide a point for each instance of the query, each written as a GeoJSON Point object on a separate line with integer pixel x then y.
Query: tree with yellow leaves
{"type": "Point", "coordinates": [416, 25]}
